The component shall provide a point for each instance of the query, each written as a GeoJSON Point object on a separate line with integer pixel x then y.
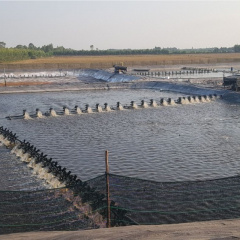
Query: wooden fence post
{"type": "Point", "coordinates": [5, 82]}
{"type": "Point", "coordinates": [108, 191]}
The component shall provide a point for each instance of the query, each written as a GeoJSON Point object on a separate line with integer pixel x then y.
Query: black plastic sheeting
{"type": "Point", "coordinates": [107, 76]}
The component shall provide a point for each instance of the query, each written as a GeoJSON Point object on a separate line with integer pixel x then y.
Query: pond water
{"type": "Point", "coordinates": [174, 143]}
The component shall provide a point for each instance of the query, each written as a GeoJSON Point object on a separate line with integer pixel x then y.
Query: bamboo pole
{"type": "Point", "coordinates": [107, 191]}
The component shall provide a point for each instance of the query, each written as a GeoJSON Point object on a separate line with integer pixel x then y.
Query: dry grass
{"type": "Point", "coordinates": [75, 62]}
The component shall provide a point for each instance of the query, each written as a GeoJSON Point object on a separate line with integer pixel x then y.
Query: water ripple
{"type": "Point", "coordinates": [183, 142]}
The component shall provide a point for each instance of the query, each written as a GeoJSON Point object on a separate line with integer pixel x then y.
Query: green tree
{"type": "Point", "coordinates": [2, 44]}
{"type": "Point", "coordinates": [47, 48]}
{"type": "Point", "coordinates": [21, 46]}
{"type": "Point", "coordinates": [236, 48]}
{"type": "Point", "coordinates": [31, 46]}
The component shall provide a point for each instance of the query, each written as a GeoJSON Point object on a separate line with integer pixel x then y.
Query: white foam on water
{"type": "Point", "coordinates": [145, 105]}
{"type": "Point", "coordinates": [15, 148]}
{"type": "Point", "coordinates": [134, 106]}
{"type": "Point", "coordinates": [172, 102]}
{"type": "Point", "coordinates": [19, 152]}
{"type": "Point", "coordinates": [4, 141]}
{"type": "Point", "coordinates": [25, 157]}
{"type": "Point", "coordinates": [208, 99]}
{"type": "Point", "coordinates": [38, 169]}
{"type": "Point", "coordinates": [99, 109]}
{"type": "Point", "coordinates": [43, 173]}
{"type": "Point", "coordinates": [89, 110]}
{"type": "Point", "coordinates": [108, 109]}
{"type": "Point", "coordinates": [120, 107]}
{"type": "Point", "coordinates": [66, 111]}
{"type": "Point", "coordinates": [32, 163]}
{"type": "Point", "coordinates": [197, 100]}
{"type": "Point", "coordinates": [55, 183]}
{"type": "Point", "coordinates": [153, 104]}
{"type": "Point", "coordinates": [191, 100]}
{"type": "Point", "coordinates": [26, 116]}
{"type": "Point", "coordinates": [213, 98]}
{"type": "Point", "coordinates": [48, 177]}
{"type": "Point", "coordinates": [39, 114]}
{"type": "Point", "coordinates": [53, 113]}
{"type": "Point", "coordinates": [164, 103]}
{"type": "Point", "coordinates": [78, 110]}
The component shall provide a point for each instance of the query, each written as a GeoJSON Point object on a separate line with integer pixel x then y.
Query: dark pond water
{"type": "Point", "coordinates": [175, 143]}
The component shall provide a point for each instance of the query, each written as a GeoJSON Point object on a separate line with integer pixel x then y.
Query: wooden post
{"type": "Point", "coordinates": [108, 191]}
{"type": "Point", "coordinates": [5, 82]}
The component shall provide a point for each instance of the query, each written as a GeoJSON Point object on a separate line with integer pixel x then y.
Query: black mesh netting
{"type": "Point", "coordinates": [134, 201]}
{"type": "Point", "coordinates": [47, 210]}
{"type": "Point", "coordinates": [149, 202]}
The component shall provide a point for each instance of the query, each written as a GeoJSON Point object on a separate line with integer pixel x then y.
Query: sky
{"type": "Point", "coordinates": [120, 24]}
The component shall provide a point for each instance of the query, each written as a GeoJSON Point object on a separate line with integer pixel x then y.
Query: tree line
{"type": "Point", "coordinates": [20, 53]}
{"type": "Point", "coordinates": [23, 52]}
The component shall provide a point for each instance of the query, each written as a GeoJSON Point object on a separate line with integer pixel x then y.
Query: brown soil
{"type": "Point", "coordinates": [212, 230]}
{"type": "Point", "coordinates": [15, 84]}
{"type": "Point", "coordinates": [76, 62]}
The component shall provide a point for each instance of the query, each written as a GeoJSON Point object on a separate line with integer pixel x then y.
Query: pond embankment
{"type": "Point", "coordinates": [94, 79]}
{"type": "Point", "coordinates": [163, 86]}
{"type": "Point", "coordinates": [209, 230]}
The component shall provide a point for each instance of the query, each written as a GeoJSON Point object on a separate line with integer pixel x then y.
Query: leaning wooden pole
{"type": "Point", "coordinates": [108, 191]}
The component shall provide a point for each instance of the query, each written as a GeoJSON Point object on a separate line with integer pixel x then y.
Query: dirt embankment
{"type": "Point", "coordinates": [212, 230]}
{"type": "Point", "coordinates": [103, 62]}
{"type": "Point", "coordinates": [14, 84]}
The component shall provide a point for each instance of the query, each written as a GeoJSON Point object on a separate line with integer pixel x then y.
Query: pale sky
{"type": "Point", "coordinates": [120, 24]}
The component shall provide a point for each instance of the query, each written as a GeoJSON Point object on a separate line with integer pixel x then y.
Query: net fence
{"type": "Point", "coordinates": [149, 202]}
{"type": "Point", "coordinates": [46, 210]}
{"type": "Point", "coordinates": [133, 201]}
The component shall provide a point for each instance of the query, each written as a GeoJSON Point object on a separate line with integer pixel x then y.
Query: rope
{"type": "Point", "coordinates": [50, 213]}
{"type": "Point", "coordinates": [185, 201]}
{"type": "Point", "coordinates": [31, 213]}
{"type": "Point", "coordinates": [166, 213]}
{"type": "Point", "coordinates": [35, 191]}
{"type": "Point", "coordinates": [176, 191]}
{"type": "Point", "coordinates": [148, 223]}
{"type": "Point", "coordinates": [35, 224]}
{"type": "Point", "coordinates": [23, 203]}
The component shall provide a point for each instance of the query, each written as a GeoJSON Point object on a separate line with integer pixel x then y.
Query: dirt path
{"type": "Point", "coordinates": [212, 230]}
